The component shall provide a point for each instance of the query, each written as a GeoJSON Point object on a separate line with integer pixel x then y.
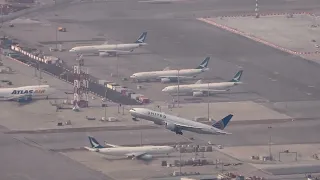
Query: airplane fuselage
{"type": "Point", "coordinates": [189, 88]}
{"type": "Point", "coordinates": [34, 91]}
{"type": "Point", "coordinates": [105, 47]}
{"type": "Point", "coordinates": [166, 73]}
{"type": "Point", "coordinates": [161, 118]}
{"type": "Point", "coordinates": [152, 150]}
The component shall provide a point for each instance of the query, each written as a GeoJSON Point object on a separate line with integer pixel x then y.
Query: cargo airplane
{"type": "Point", "coordinates": [111, 49]}
{"type": "Point", "coordinates": [199, 88]}
{"type": "Point", "coordinates": [178, 124]}
{"type": "Point", "coordinates": [168, 75]}
{"type": "Point", "coordinates": [138, 152]}
{"type": "Point", "coordinates": [25, 93]}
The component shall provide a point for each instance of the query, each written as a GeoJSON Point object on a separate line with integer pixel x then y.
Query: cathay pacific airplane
{"type": "Point", "coordinates": [25, 92]}
{"type": "Point", "coordinates": [168, 75]}
{"type": "Point", "coordinates": [178, 124]}
{"type": "Point", "coordinates": [138, 152]}
{"type": "Point", "coordinates": [199, 88]}
{"type": "Point", "coordinates": [111, 49]}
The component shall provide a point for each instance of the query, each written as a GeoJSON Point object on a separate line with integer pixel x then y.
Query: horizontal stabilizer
{"type": "Point", "coordinates": [199, 82]}
{"type": "Point", "coordinates": [110, 145]}
{"type": "Point", "coordinates": [166, 69]}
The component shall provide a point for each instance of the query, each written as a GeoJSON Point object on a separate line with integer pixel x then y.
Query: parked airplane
{"type": "Point", "coordinates": [138, 152]}
{"type": "Point", "coordinates": [168, 75]}
{"type": "Point", "coordinates": [111, 49]}
{"type": "Point", "coordinates": [25, 92]}
{"type": "Point", "coordinates": [199, 88]}
{"type": "Point", "coordinates": [177, 124]}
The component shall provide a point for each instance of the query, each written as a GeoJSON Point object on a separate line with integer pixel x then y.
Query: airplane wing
{"type": "Point", "coordinates": [91, 149]}
{"type": "Point", "coordinates": [111, 145]}
{"type": "Point", "coordinates": [186, 127]}
{"type": "Point", "coordinates": [17, 97]}
{"type": "Point", "coordinates": [114, 51]}
{"type": "Point", "coordinates": [135, 155]}
{"type": "Point", "coordinates": [209, 90]}
{"type": "Point", "coordinates": [176, 77]}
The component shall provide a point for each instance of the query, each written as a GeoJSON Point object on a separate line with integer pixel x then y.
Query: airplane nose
{"type": "Point", "coordinates": [164, 90]}
{"type": "Point", "coordinates": [133, 76]}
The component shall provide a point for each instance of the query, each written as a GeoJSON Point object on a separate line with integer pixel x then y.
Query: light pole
{"type": "Point", "coordinates": [270, 154]}
{"type": "Point", "coordinates": [180, 159]}
{"type": "Point", "coordinates": [208, 104]}
{"type": "Point", "coordinates": [178, 88]}
{"type": "Point", "coordinates": [105, 106]}
{"type": "Point", "coordinates": [257, 9]}
{"type": "Point", "coordinates": [117, 65]}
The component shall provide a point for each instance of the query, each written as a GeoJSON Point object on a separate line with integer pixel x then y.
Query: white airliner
{"type": "Point", "coordinates": [111, 49]}
{"type": "Point", "coordinates": [168, 75]}
{"type": "Point", "coordinates": [138, 152]}
{"type": "Point", "coordinates": [25, 92]}
{"type": "Point", "coordinates": [177, 124]}
{"type": "Point", "coordinates": [199, 88]}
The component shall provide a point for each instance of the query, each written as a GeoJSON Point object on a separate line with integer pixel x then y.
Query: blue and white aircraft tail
{"type": "Point", "coordinates": [142, 38]}
{"type": "Point", "coordinates": [94, 143]}
{"type": "Point", "coordinates": [223, 122]}
{"type": "Point", "coordinates": [237, 77]}
{"type": "Point", "coordinates": [204, 63]}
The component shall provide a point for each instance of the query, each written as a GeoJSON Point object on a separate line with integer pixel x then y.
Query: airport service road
{"type": "Point", "coordinates": [181, 41]}
{"type": "Point", "coordinates": [65, 141]}
{"type": "Point", "coordinates": [282, 133]}
{"type": "Point", "coordinates": [21, 161]}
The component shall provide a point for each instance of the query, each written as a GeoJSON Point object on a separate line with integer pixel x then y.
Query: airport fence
{"type": "Point", "coordinates": [64, 72]}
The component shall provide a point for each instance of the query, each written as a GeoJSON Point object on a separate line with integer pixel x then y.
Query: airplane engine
{"type": "Point", "coordinates": [146, 157]}
{"type": "Point", "coordinates": [197, 94]}
{"type": "Point", "coordinates": [158, 123]}
{"type": "Point", "coordinates": [174, 128]}
{"type": "Point", "coordinates": [103, 54]}
{"type": "Point", "coordinates": [165, 80]}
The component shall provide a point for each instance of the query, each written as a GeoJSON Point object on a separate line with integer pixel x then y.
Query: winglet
{"type": "Point", "coordinates": [223, 122]}
{"type": "Point", "coordinates": [94, 143]}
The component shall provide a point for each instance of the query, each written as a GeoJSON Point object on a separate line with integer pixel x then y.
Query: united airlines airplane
{"type": "Point", "coordinates": [178, 124]}
{"type": "Point", "coordinates": [138, 152]}
{"type": "Point", "coordinates": [111, 49]}
{"type": "Point", "coordinates": [168, 75]}
{"type": "Point", "coordinates": [199, 88]}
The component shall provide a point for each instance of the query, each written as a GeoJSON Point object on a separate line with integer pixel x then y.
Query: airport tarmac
{"type": "Point", "coordinates": [273, 80]}
{"type": "Point", "coordinates": [173, 48]}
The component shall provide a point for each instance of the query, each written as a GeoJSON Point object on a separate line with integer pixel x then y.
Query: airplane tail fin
{"type": "Point", "coordinates": [223, 122]}
{"type": "Point", "coordinates": [237, 77]}
{"type": "Point", "coordinates": [204, 63]}
{"type": "Point", "coordinates": [142, 38]}
{"type": "Point", "coordinates": [94, 143]}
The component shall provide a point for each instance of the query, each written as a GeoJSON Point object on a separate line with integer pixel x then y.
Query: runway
{"type": "Point", "coordinates": [22, 161]}
{"type": "Point", "coordinates": [243, 135]}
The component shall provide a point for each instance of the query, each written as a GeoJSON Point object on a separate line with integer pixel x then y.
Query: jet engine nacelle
{"type": "Point", "coordinates": [197, 94]}
{"type": "Point", "coordinates": [158, 123]}
{"type": "Point", "coordinates": [165, 80]}
{"type": "Point", "coordinates": [174, 128]}
{"type": "Point", "coordinates": [146, 157]}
